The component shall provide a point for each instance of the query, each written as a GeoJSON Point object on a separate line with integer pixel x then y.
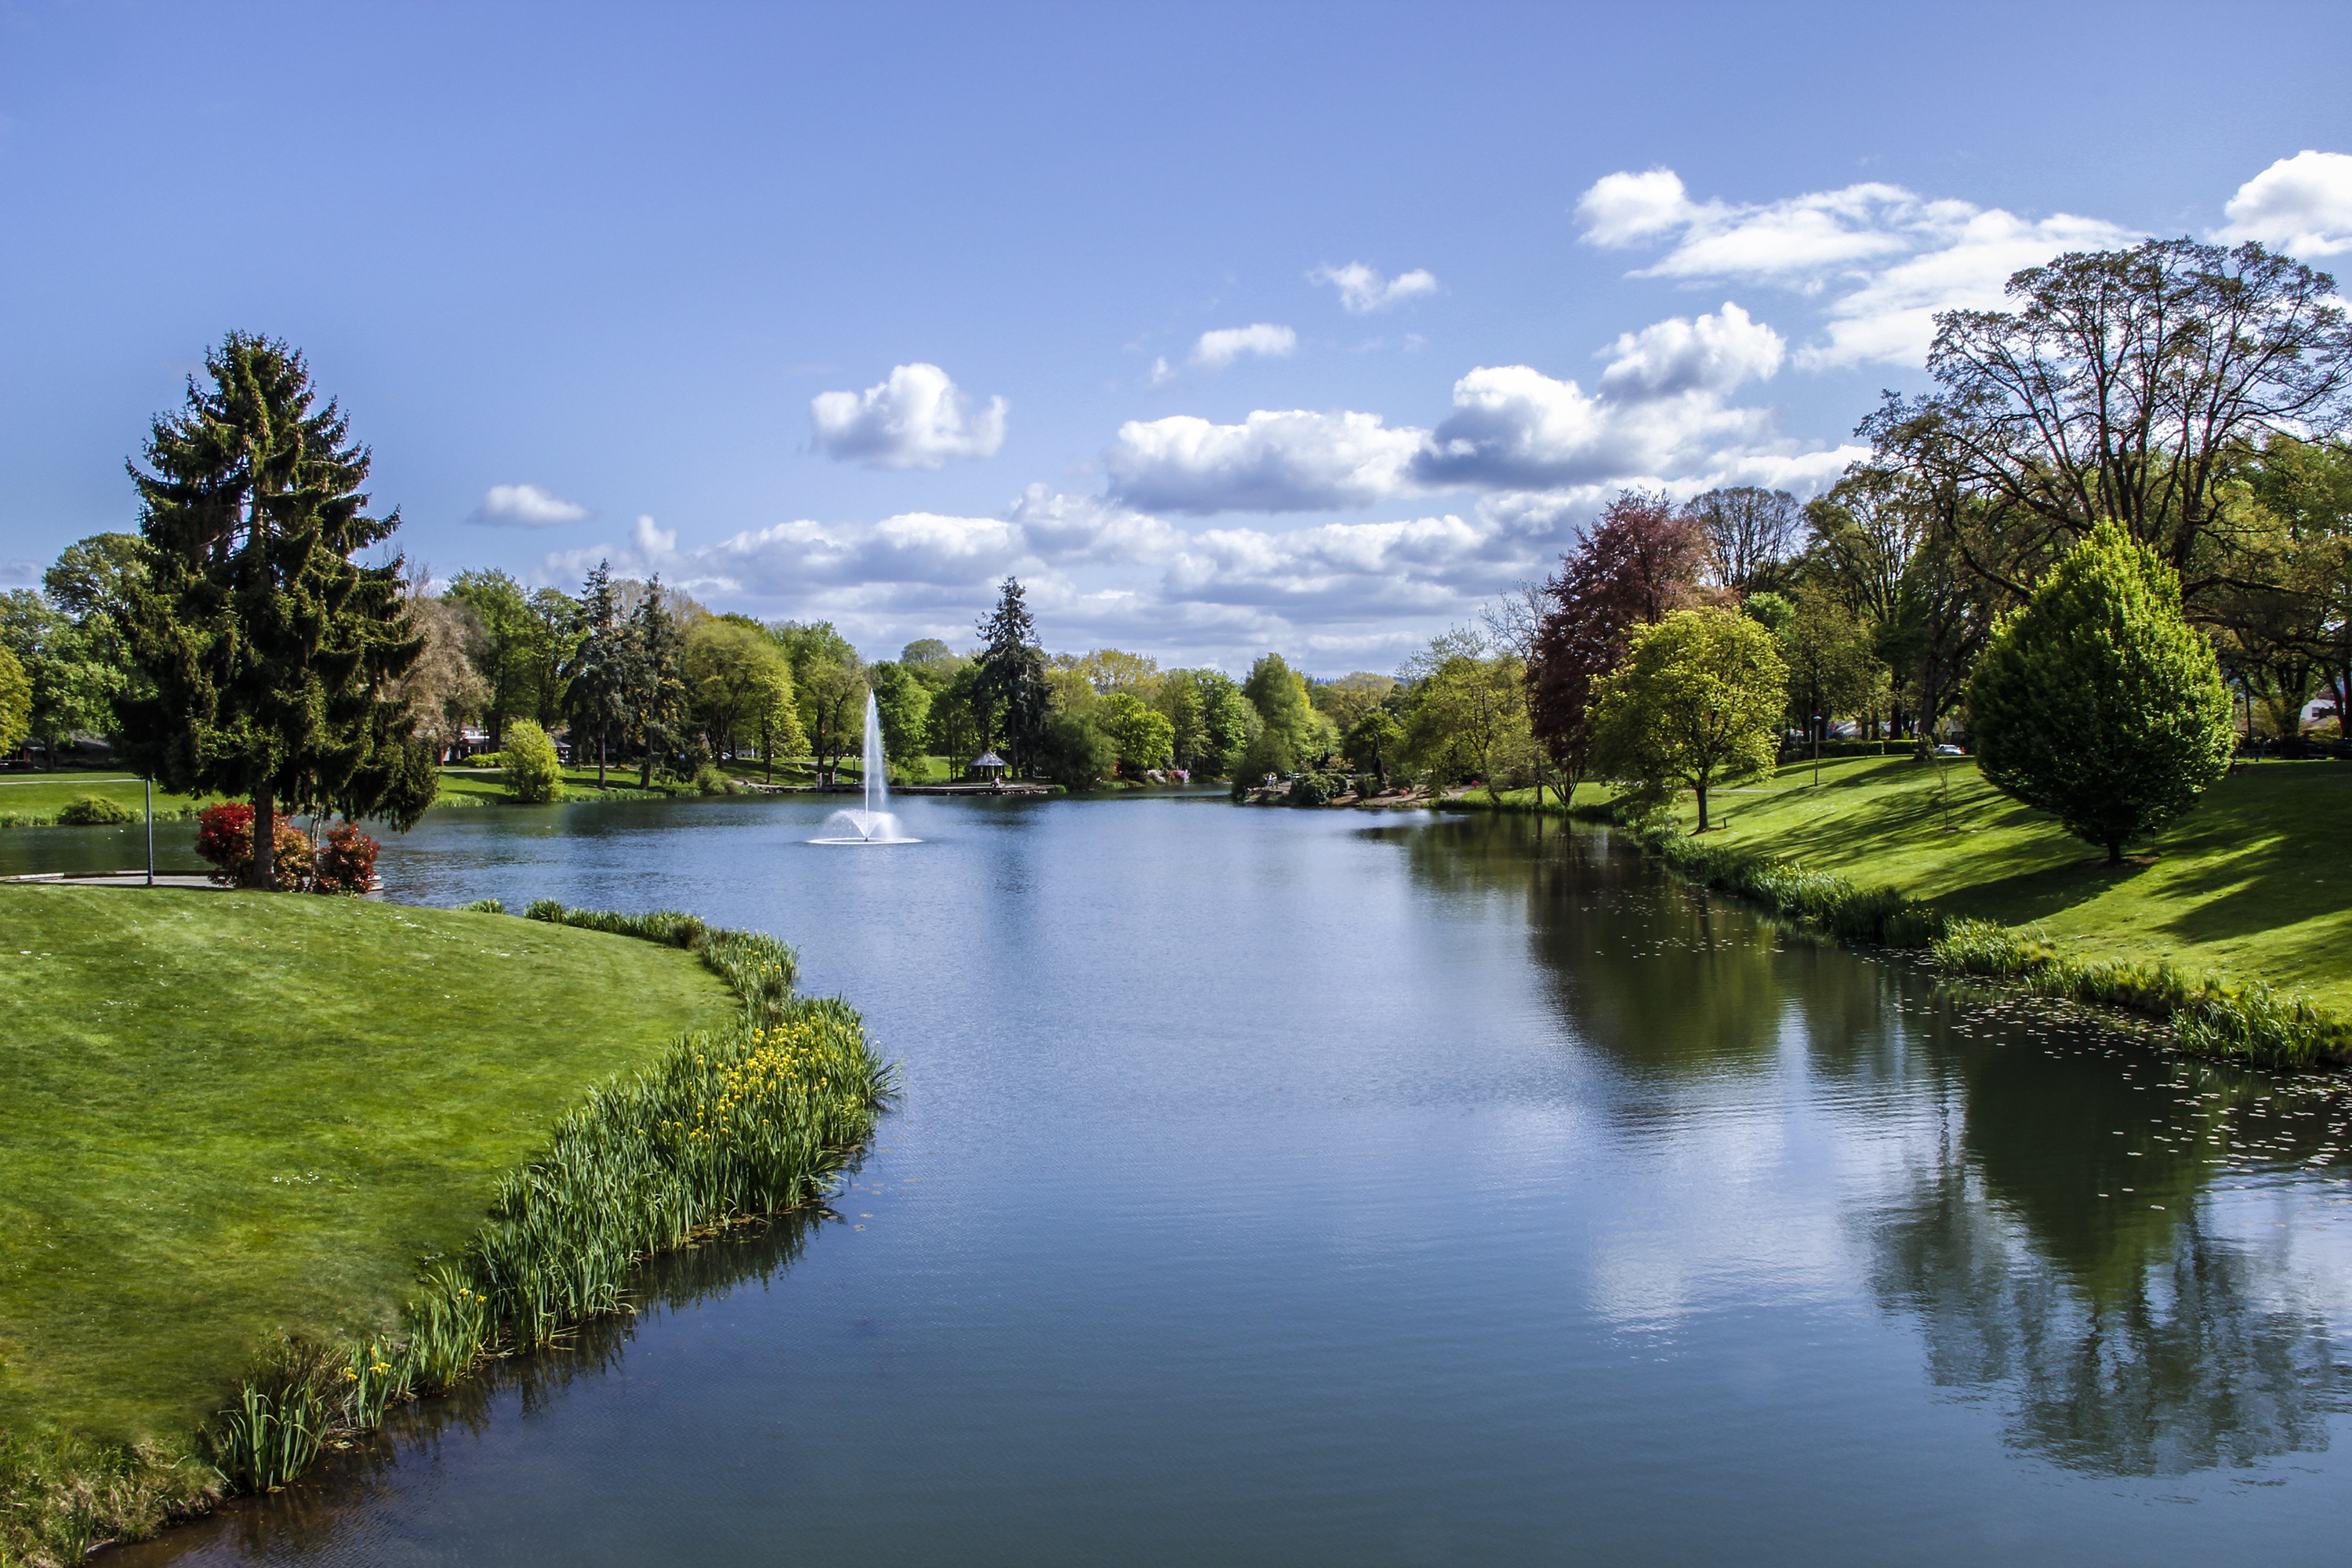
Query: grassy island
{"type": "Point", "coordinates": [241, 1123]}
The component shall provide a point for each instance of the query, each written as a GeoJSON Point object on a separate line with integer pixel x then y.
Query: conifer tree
{"type": "Point", "coordinates": [597, 676]}
{"type": "Point", "coordinates": [270, 649]}
{"type": "Point", "coordinates": [1011, 686]}
{"type": "Point", "coordinates": [658, 694]}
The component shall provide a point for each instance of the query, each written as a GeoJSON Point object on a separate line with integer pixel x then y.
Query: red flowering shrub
{"type": "Point", "coordinates": [224, 838]}
{"type": "Point", "coordinates": [346, 862]}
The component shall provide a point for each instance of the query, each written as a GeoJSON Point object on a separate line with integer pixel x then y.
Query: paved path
{"type": "Point", "coordinates": [118, 879]}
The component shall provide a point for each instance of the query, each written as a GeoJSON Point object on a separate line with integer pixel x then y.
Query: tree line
{"type": "Point", "coordinates": [2172, 405]}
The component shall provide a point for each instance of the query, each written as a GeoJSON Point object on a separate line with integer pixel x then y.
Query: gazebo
{"type": "Point", "coordinates": [990, 767]}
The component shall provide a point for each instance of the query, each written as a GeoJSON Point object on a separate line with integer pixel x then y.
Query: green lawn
{"type": "Point", "coordinates": [231, 1116]}
{"type": "Point", "coordinates": [43, 795]}
{"type": "Point", "coordinates": [2255, 882]}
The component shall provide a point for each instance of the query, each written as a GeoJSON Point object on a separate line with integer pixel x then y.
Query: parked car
{"type": "Point", "coordinates": [1949, 749]}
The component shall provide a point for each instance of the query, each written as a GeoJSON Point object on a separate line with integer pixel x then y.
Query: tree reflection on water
{"type": "Point", "coordinates": [2051, 1237]}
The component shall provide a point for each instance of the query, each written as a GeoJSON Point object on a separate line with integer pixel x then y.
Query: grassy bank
{"type": "Point", "coordinates": [233, 1116]}
{"type": "Point", "coordinates": [2228, 922]}
{"type": "Point", "coordinates": [247, 1162]}
{"type": "Point", "coordinates": [2255, 883]}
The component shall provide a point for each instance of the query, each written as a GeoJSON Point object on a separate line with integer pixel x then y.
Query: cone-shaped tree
{"type": "Point", "coordinates": [269, 648]}
{"type": "Point", "coordinates": [2096, 702]}
{"type": "Point", "coordinates": [1011, 688]}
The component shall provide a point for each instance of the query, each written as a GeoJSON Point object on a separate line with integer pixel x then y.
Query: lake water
{"type": "Point", "coordinates": [1311, 1187]}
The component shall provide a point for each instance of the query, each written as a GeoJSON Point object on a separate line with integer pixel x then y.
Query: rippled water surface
{"type": "Point", "coordinates": [1297, 1188]}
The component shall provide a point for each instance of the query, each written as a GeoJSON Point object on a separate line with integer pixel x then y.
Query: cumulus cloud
{"type": "Point", "coordinates": [526, 506]}
{"type": "Point", "coordinates": [1712, 354]}
{"type": "Point", "coordinates": [1219, 348]}
{"type": "Point", "coordinates": [1885, 258]}
{"type": "Point", "coordinates": [1514, 427]}
{"type": "Point", "coordinates": [1659, 408]}
{"type": "Point", "coordinates": [2302, 206]}
{"type": "Point", "coordinates": [916, 419]}
{"type": "Point", "coordinates": [1272, 461]}
{"type": "Point", "coordinates": [1363, 289]}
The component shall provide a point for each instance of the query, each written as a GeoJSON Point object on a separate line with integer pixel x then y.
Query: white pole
{"type": "Point", "coordinates": [150, 830]}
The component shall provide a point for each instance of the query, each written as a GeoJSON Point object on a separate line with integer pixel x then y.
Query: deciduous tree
{"type": "Point", "coordinates": [829, 684]}
{"type": "Point", "coordinates": [2097, 702]}
{"type": "Point", "coordinates": [903, 704]}
{"type": "Point", "coordinates": [729, 662]}
{"type": "Point", "coordinates": [1144, 738]}
{"type": "Point", "coordinates": [1640, 561]}
{"type": "Point", "coordinates": [15, 702]}
{"type": "Point", "coordinates": [1753, 533]}
{"type": "Point", "coordinates": [1696, 704]}
{"type": "Point", "coordinates": [2122, 386]}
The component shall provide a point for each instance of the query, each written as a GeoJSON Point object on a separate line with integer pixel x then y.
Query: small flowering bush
{"type": "Point", "coordinates": [346, 862]}
{"type": "Point", "coordinates": [224, 840]}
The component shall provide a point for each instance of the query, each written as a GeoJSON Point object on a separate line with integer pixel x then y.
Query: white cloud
{"type": "Point", "coordinates": [1162, 376]}
{"type": "Point", "coordinates": [1363, 290]}
{"type": "Point", "coordinates": [526, 506]}
{"type": "Point", "coordinates": [1513, 428]}
{"type": "Point", "coordinates": [1660, 409]}
{"type": "Point", "coordinates": [1289, 461]}
{"type": "Point", "coordinates": [1712, 354]}
{"type": "Point", "coordinates": [1624, 208]}
{"type": "Point", "coordinates": [916, 419]}
{"type": "Point", "coordinates": [2302, 206]}
{"type": "Point", "coordinates": [1219, 348]}
{"type": "Point", "coordinates": [1888, 259]}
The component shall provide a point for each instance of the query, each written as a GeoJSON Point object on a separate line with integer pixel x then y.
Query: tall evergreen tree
{"type": "Point", "coordinates": [268, 647]}
{"type": "Point", "coordinates": [657, 690]}
{"type": "Point", "coordinates": [1010, 690]}
{"type": "Point", "coordinates": [597, 676]}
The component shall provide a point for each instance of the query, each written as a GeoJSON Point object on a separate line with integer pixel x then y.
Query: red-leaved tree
{"type": "Point", "coordinates": [1640, 561]}
{"type": "Point", "coordinates": [225, 838]}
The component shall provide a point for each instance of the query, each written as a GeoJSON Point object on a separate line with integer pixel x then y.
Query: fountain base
{"type": "Point", "coordinates": [863, 827]}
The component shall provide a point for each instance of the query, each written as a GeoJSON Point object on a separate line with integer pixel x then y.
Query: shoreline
{"type": "Point", "coordinates": [2210, 1015]}
{"type": "Point", "coordinates": [730, 1125]}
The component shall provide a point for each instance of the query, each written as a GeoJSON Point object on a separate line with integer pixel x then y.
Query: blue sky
{"type": "Point", "coordinates": [1227, 328]}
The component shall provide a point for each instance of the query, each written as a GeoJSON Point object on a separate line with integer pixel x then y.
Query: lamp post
{"type": "Point", "coordinates": [149, 784]}
{"type": "Point", "coordinates": [1819, 720]}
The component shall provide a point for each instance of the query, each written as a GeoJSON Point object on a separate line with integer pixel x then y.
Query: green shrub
{"type": "Point", "coordinates": [485, 907]}
{"type": "Point", "coordinates": [1315, 789]}
{"type": "Point", "coordinates": [710, 780]}
{"type": "Point", "coordinates": [482, 760]}
{"type": "Point", "coordinates": [95, 811]}
{"type": "Point", "coordinates": [534, 773]}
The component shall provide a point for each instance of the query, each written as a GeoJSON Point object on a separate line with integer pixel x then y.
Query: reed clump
{"type": "Point", "coordinates": [67, 1494]}
{"type": "Point", "coordinates": [2210, 1016]}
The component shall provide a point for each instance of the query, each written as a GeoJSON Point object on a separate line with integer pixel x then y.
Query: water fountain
{"type": "Point", "coordinates": [875, 825]}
